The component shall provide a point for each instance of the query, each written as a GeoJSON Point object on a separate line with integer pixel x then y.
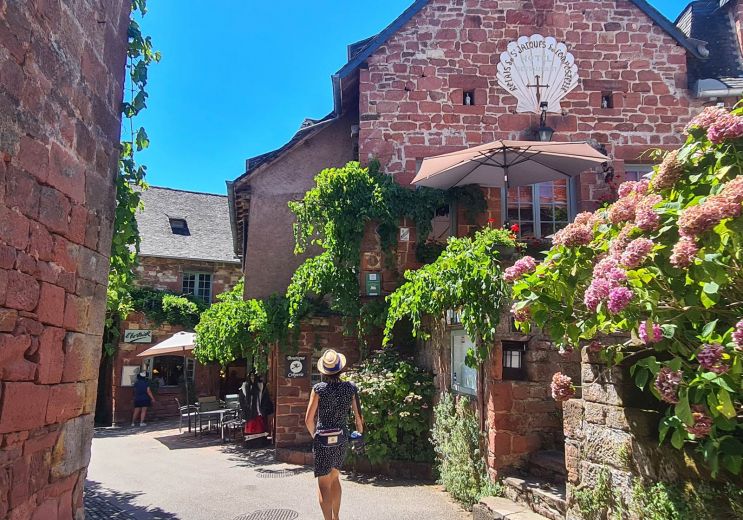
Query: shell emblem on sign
{"type": "Point", "coordinates": [536, 69]}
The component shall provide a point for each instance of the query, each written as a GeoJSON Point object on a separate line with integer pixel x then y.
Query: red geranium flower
{"type": "Point", "coordinates": [515, 228]}
{"type": "Point", "coordinates": [491, 221]}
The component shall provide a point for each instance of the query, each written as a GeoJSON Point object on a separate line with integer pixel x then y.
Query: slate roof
{"type": "Point", "coordinates": [207, 217]}
{"type": "Point", "coordinates": [709, 21]}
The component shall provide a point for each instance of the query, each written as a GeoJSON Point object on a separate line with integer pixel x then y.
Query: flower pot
{"type": "Point", "coordinates": [505, 252]}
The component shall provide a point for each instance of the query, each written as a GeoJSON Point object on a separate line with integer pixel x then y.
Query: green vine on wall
{"type": "Point", "coordinates": [334, 215]}
{"type": "Point", "coordinates": [166, 307]}
{"type": "Point", "coordinates": [235, 328]}
{"type": "Point", "coordinates": [130, 179]}
{"type": "Point", "coordinates": [466, 277]}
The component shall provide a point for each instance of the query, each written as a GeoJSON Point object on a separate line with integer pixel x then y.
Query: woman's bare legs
{"type": "Point", "coordinates": [325, 495]}
{"type": "Point", "coordinates": [143, 415]}
{"type": "Point", "coordinates": [135, 413]}
{"type": "Point", "coordinates": [336, 493]}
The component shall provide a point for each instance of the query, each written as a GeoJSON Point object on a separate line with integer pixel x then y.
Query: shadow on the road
{"type": "Point", "coordinates": [382, 481]}
{"type": "Point", "coordinates": [105, 432]}
{"type": "Point", "coordinates": [187, 441]}
{"type": "Point", "coordinates": [102, 502]}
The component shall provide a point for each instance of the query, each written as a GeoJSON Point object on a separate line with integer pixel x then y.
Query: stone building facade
{"type": "Point", "coordinates": [428, 84]}
{"type": "Point", "coordinates": [61, 87]}
{"type": "Point", "coordinates": [186, 248]}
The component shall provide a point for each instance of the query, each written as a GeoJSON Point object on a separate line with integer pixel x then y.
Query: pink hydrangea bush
{"type": "Point", "coordinates": [562, 387]}
{"type": "Point", "coordinates": [670, 249]}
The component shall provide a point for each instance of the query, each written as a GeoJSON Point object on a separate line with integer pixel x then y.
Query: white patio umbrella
{"type": "Point", "coordinates": [178, 343]}
{"type": "Point", "coordinates": [505, 164]}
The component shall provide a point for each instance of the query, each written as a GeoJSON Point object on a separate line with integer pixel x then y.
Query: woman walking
{"type": "Point", "coordinates": [330, 402]}
{"type": "Point", "coordinates": [143, 398]}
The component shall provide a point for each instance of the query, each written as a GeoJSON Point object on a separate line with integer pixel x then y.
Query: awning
{"type": "Point", "coordinates": [178, 343]}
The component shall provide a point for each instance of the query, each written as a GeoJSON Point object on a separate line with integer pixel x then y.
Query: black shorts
{"type": "Point", "coordinates": [142, 403]}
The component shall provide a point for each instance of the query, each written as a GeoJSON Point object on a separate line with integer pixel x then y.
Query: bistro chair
{"type": "Point", "coordinates": [186, 411]}
{"type": "Point", "coordinates": [233, 421]}
{"type": "Point", "coordinates": [204, 406]}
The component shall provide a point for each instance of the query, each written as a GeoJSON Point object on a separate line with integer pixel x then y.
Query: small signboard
{"type": "Point", "coordinates": [137, 336]}
{"type": "Point", "coordinates": [373, 284]}
{"type": "Point", "coordinates": [129, 374]}
{"type": "Point", "coordinates": [296, 366]}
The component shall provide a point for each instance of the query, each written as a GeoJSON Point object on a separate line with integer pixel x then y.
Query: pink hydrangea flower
{"type": "Point", "coordinates": [562, 387]}
{"type": "Point", "coordinates": [619, 298]}
{"type": "Point", "coordinates": [521, 314]}
{"type": "Point", "coordinates": [654, 335]}
{"type": "Point", "coordinates": [584, 219]}
{"type": "Point", "coordinates": [697, 219]}
{"type": "Point", "coordinates": [636, 253]}
{"type": "Point", "coordinates": [595, 346]}
{"type": "Point", "coordinates": [597, 292]}
{"type": "Point", "coordinates": [710, 358]}
{"type": "Point", "coordinates": [706, 118]}
{"type": "Point", "coordinates": [669, 172]}
{"type": "Point", "coordinates": [733, 191]}
{"type": "Point", "coordinates": [738, 334]}
{"type": "Point", "coordinates": [725, 128]}
{"type": "Point", "coordinates": [522, 266]}
{"type": "Point", "coordinates": [702, 423]}
{"type": "Point", "coordinates": [566, 350]}
{"type": "Point", "coordinates": [684, 253]}
{"type": "Point", "coordinates": [573, 235]}
{"type": "Point", "coordinates": [622, 210]}
{"type": "Point", "coordinates": [646, 217]}
{"type": "Point", "coordinates": [667, 383]}
{"type": "Point", "coordinates": [626, 189]}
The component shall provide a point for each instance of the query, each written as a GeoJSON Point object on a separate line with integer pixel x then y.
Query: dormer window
{"type": "Point", "coordinates": [179, 226]}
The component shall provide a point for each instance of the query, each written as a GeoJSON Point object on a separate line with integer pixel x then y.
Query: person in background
{"type": "Point", "coordinates": [158, 379]}
{"type": "Point", "coordinates": [143, 398]}
{"type": "Point", "coordinates": [331, 401]}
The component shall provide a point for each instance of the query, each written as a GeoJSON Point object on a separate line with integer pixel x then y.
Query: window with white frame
{"type": "Point", "coordinates": [198, 284]}
{"type": "Point", "coordinates": [168, 370]}
{"type": "Point", "coordinates": [635, 172]}
{"type": "Point", "coordinates": [540, 210]}
{"type": "Point", "coordinates": [463, 378]}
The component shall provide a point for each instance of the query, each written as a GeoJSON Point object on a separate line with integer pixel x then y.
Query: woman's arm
{"type": "Point", "coordinates": [149, 392]}
{"type": "Point", "coordinates": [357, 413]}
{"type": "Point", "coordinates": [309, 417]}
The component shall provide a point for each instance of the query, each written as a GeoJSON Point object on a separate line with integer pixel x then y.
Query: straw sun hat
{"type": "Point", "coordinates": [331, 362]}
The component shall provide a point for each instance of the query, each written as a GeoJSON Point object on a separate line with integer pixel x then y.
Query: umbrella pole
{"type": "Point", "coordinates": [185, 376]}
{"type": "Point", "coordinates": [504, 204]}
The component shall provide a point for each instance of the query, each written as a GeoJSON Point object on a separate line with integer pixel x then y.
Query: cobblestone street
{"type": "Point", "coordinates": [155, 473]}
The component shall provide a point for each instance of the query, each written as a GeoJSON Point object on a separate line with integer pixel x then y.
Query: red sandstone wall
{"type": "Point", "coordinates": [167, 273]}
{"type": "Point", "coordinates": [292, 395]}
{"type": "Point", "coordinates": [206, 382]}
{"type": "Point", "coordinates": [61, 76]}
{"type": "Point", "coordinates": [409, 104]}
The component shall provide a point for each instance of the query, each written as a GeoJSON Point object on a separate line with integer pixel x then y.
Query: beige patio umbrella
{"type": "Point", "coordinates": [178, 343]}
{"type": "Point", "coordinates": [505, 164]}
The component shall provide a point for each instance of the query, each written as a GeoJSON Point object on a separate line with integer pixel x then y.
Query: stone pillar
{"type": "Point", "coordinates": [61, 84]}
{"type": "Point", "coordinates": [613, 429]}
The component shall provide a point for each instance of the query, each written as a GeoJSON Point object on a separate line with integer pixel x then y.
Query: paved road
{"type": "Point", "coordinates": [157, 473]}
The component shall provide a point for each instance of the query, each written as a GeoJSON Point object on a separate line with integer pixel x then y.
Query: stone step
{"type": "Point", "coordinates": [541, 496]}
{"type": "Point", "coordinates": [548, 465]}
{"type": "Point", "coordinates": [498, 508]}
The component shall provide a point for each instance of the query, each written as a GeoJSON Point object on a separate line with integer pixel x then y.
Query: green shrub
{"type": "Point", "coordinates": [457, 440]}
{"type": "Point", "coordinates": [396, 399]}
{"type": "Point", "coordinates": [166, 307]}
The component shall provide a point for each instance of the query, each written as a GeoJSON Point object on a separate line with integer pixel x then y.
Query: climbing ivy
{"type": "Point", "coordinates": [130, 179]}
{"type": "Point", "coordinates": [334, 214]}
{"type": "Point", "coordinates": [166, 307]}
{"type": "Point", "coordinates": [234, 328]}
{"type": "Point", "coordinates": [467, 277]}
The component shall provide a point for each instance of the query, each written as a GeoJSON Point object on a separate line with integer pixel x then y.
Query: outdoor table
{"type": "Point", "coordinates": [219, 414]}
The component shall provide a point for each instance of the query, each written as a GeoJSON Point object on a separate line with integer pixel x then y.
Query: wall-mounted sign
{"type": "Point", "coordinates": [296, 366]}
{"type": "Point", "coordinates": [137, 336]}
{"type": "Point", "coordinates": [536, 69]}
{"type": "Point", "coordinates": [373, 284]}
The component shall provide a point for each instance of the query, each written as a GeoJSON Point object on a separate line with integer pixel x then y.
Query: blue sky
{"type": "Point", "coordinates": [238, 77]}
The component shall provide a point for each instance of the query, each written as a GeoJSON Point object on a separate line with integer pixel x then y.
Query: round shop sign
{"type": "Point", "coordinates": [296, 366]}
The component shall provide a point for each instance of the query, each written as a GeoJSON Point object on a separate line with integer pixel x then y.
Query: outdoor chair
{"type": "Point", "coordinates": [206, 404]}
{"type": "Point", "coordinates": [234, 421]}
{"type": "Point", "coordinates": [188, 411]}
